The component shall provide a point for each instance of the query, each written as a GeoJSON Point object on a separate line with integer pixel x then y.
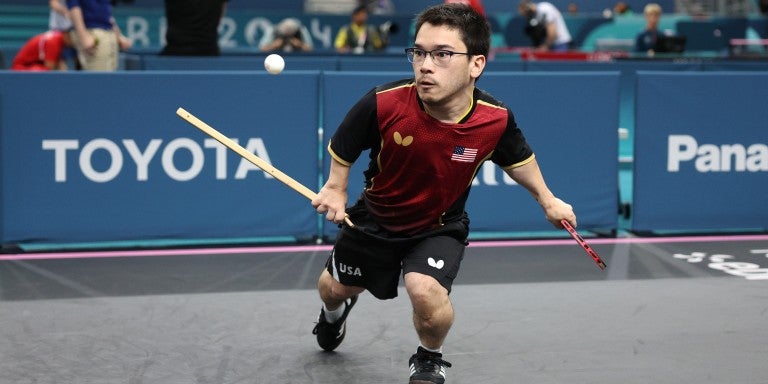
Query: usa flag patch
{"type": "Point", "coordinates": [463, 154]}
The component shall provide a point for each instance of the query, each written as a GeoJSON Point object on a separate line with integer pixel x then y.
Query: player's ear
{"type": "Point", "coordinates": [478, 65]}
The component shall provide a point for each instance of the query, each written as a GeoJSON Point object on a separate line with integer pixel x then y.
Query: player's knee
{"type": "Point", "coordinates": [326, 287]}
{"type": "Point", "coordinates": [425, 293]}
{"type": "Point", "coordinates": [342, 292]}
{"type": "Point", "coordinates": [332, 290]}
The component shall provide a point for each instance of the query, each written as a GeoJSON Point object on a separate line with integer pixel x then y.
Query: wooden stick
{"type": "Point", "coordinates": [253, 159]}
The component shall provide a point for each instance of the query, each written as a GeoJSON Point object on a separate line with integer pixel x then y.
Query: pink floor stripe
{"type": "Point", "coordinates": [326, 248]}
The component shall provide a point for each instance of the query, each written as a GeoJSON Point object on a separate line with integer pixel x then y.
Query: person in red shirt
{"type": "Point", "coordinates": [427, 136]}
{"type": "Point", "coordinates": [476, 4]}
{"type": "Point", "coordinates": [43, 52]}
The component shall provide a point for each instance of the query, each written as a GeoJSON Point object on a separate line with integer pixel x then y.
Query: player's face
{"type": "Point", "coordinates": [442, 83]}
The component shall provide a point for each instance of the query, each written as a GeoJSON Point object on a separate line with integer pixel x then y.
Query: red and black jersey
{"type": "Point", "coordinates": [421, 169]}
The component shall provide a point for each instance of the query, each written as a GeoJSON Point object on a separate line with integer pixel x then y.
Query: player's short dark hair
{"type": "Point", "coordinates": [472, 26]}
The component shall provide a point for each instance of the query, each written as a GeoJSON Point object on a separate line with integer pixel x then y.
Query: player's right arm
{"type": "Point", "coordinates": [355, 134]}
{"type": "Point", "coordinates": [529, 176]}
{"type": "Point", "coordinates": [332, 198]}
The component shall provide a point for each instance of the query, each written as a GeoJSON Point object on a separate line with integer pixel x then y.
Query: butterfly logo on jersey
{"type": "Point", "coordinates": [404, 141]}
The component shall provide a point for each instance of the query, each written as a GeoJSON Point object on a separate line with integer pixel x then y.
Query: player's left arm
{"type": "Point", "coordinates": [529, 176]}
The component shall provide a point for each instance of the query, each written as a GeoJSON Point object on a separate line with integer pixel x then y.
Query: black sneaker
{"type": "Point", "coordinates": [329, 336]}
{"type": "Point", "coordinates": [427, 367]}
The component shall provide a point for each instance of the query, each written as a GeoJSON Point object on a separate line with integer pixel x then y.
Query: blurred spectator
{"type": "Point", "coordinates": [622, 9]}
{"type": "Point", "coordinates": [59, 21]}
{"type": "Point", "coordinates": [193, 27]}
{"type": "Point", "coordinates": [573, 9]}
{"type": "Point", "coordinates": [289, 35]}
{"type": "Point", "coordinates": [378, 7]}
{"type": "Point", "coordinates": [96, 36]}
{"type": "Point", "coordinates": [476, 4]}
{"type": "Point", "coordinates": [646, 40]}
{"type": "Point", "coordinates": [43, 52]}
{"type": "Point", "coordinates": [59, 16]}
{"type": "Point", "coordinates": [359, 37]}
{"type": "Point", "coordinates": [546, 27]}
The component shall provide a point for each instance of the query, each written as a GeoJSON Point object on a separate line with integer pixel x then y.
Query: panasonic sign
{"type": "Point", "coordinates": [715, 158]}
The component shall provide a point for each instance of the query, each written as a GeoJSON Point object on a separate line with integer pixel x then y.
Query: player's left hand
{"type": "Point", "coordinates": [556, 210]}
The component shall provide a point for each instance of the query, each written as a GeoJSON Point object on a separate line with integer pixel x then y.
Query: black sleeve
{"type": "Point", "coordinates": [357, 132]}
{"type": "Point", "coordinates": [512, 149]}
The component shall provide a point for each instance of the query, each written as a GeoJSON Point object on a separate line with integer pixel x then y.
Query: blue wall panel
{"type": "Point", "coordinates": [628, 79]}
{"type": "Point", "coordinates": [374, 63]}
{"type": "Point", "coordinates": [69, 172]}
{"type": "Point", "coordinates": [574, 139]}
{"type": "Point", "coordinates": [108, 159]}
{"type": "Point", "coordinates": [701, 151]}
{"type": "Point", "coordinates": [253, 62]}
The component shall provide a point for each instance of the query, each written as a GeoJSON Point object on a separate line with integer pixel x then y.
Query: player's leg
{"type": "Point", "coordinates": [332, 293]}
{"type": "Point", "coordinates": [338, 300]}
{"type": "Point", "coordinates": [429, 270]}
{"type": "Point", "coordinates": [432, 309]}
{"type": "Point", "coordinates": [356, 263]}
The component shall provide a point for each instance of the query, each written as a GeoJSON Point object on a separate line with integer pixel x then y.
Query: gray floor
{"type": "Point", "coordinates": [525, 314]}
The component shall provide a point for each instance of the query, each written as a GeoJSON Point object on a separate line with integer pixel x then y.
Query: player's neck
{"type": "Point", "coordinates": [450, 113]}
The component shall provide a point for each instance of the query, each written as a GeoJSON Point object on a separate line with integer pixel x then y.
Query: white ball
{"type": "Point", "coordinates": [274, 64]}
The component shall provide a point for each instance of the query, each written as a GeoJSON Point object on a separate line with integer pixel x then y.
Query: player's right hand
{"type": "Point", "coordinates": [332, 202]}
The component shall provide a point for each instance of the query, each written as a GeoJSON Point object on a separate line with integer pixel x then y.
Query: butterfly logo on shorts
{"type": "Point", "coordinates": [439, 264]}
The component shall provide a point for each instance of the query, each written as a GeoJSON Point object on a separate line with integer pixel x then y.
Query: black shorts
{"type": "Point", "coordinates": [369, 257]}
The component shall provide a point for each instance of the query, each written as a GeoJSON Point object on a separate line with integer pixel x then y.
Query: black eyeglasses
{"type": "Point", "coordinates": [441, 57]}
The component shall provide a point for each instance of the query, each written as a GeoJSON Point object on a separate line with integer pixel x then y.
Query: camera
{"type": "Point", "coordinates": [288, 36]}
{"type": "Point", "coordinates": [387, 28]}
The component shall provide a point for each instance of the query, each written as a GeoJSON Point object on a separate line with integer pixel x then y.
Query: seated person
{"type": "Point", "coordinates": [647, 39]}
{"type": "Point", "coordinates": [288, 36]}
{"type": "Point", "coordinates": [622, 9]}
{"type": "Point", "coordinates": [359, 37]}
{"type": "Point", "coordinates": [43, 52]}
